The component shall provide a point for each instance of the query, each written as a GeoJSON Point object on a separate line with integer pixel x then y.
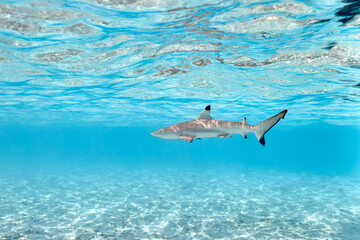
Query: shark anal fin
{"type": "Point", "coordinates": [187, 138]}
{"type": "Point", "coordinates": [244, 135]}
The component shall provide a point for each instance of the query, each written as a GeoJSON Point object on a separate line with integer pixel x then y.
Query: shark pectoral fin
{"type": "Point", "coordinates": [225, 135]}
{"type": "Point", "coordinates": [187, 138]}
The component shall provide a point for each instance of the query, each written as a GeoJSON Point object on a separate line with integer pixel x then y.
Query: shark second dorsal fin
{"type": "Point", "coordinates": [205, 114]}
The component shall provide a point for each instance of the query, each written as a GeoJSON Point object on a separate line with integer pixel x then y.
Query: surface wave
{"type": "Point", "coordinates": [140, 62]}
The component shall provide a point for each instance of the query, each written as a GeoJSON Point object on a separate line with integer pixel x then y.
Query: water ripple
{"type": "Point", "coordinates": [140, 62]}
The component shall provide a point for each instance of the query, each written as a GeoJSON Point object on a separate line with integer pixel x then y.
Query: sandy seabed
{"type": "Point", "coordinates": [178, 204]}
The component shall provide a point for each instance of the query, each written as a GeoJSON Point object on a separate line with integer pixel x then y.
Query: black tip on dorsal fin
{"type": "Point", "coordinates": [244, 120]}
{"type": "Point", "coordinates": [205, 114]}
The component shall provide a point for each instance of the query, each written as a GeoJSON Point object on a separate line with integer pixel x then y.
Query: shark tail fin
{"type": "Point", "coordinates": [266, 125]}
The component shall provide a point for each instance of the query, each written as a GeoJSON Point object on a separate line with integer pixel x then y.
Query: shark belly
{"type": "Point", "coordinates": [204, 132]}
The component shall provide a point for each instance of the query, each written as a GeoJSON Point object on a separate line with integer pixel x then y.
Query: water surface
{"type": "Point", "coordinates": [141, 62]}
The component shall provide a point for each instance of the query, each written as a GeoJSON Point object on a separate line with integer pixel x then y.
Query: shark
{"type": "Point", "coordinates": [205, 126]}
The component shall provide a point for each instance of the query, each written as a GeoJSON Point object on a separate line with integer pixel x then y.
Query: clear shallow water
{"type": "Point", "coordinates": [84, 83]}
{"type": "Point", "coordinates": [173, 204]}
{"type": "Point", "coordinates": [122, 183]}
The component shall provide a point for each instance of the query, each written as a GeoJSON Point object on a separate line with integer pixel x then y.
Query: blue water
{"type": "Point", "coordinates": [84, 83]}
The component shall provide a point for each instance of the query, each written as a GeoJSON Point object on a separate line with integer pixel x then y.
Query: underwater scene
{"type": "Point", "coordinates": [163, 119]}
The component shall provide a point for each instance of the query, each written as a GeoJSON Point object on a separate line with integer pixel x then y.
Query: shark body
{"type": "Point", "coordinates": [205, 126]}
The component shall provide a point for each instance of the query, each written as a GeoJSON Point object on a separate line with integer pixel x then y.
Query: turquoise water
{"type": "Point", "coordinates": [84, 83]}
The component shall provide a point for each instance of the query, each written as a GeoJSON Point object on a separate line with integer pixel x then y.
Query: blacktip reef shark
{"type": "Point", "coordinates": [205, 126]}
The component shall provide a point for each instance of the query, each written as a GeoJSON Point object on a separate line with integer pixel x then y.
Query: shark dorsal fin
{"type": "Point", "coordinates": [205, 114]}
{"type": "Point", "coordinates": [243, 121]}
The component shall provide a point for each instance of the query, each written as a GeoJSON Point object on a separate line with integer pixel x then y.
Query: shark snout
{"type": "Point", "coordinates": [161, 134]}
{"type": "Point", "coordinates": [156, 133]}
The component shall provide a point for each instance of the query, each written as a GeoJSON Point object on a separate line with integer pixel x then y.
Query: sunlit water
{"type": "Point", "coordinates": [84, 83]}
{"type": "Point", "coordinates": [155, 61]}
